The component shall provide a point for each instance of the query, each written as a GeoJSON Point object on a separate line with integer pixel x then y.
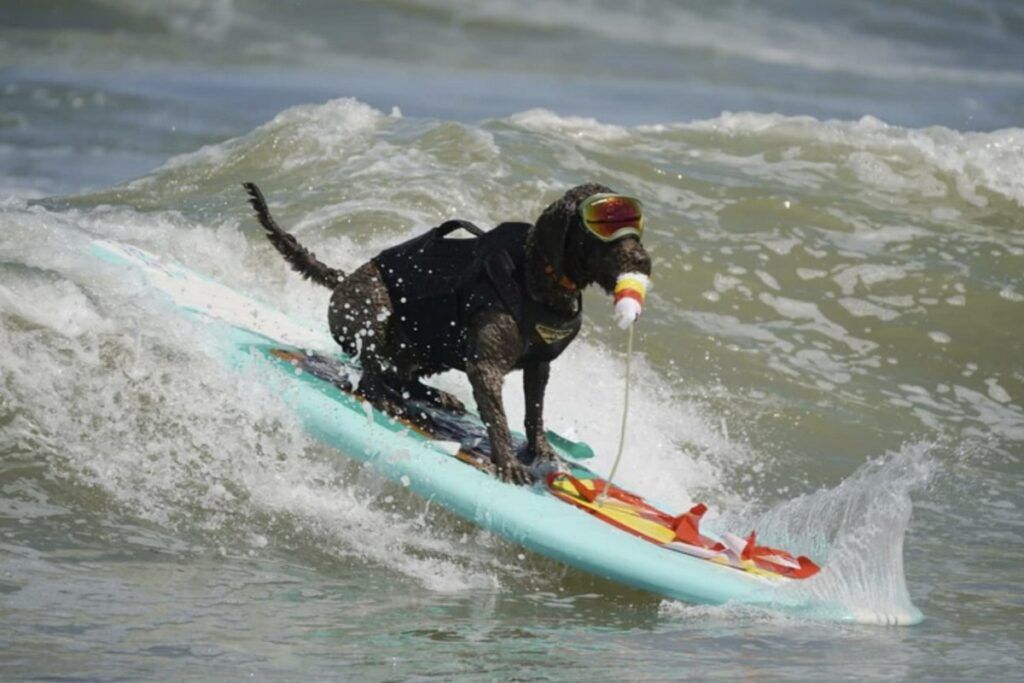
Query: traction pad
{"type": "Point", "coordinates": [681, 533]}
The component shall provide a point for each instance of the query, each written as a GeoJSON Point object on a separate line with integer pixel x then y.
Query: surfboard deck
{"type": "Point", "coordinates": [568, 480]}
{"type": "Point", "coordinates": [424, 417]}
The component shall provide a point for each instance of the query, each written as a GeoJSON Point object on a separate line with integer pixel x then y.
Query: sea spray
{"type": "Point", "coordinates": [856, 532]}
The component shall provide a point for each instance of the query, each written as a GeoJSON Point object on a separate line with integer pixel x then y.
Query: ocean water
{"type": "Point", "coordinates": [832, 350]}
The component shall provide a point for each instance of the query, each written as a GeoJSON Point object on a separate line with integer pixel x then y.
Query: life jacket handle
{"type": "Point", "coordinates": [454, 224]}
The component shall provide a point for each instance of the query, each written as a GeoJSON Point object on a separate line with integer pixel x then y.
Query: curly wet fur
{"type": "Point", "coordinates": [361, 320]}
{"type": "Point", "coordinates": [301, 259]}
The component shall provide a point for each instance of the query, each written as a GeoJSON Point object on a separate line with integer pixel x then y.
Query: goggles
{"type": "Point", "coordinates": [610, 217]}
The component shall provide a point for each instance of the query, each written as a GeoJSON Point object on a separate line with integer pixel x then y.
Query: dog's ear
{"type": "Point", "coordinates": [555, 223]}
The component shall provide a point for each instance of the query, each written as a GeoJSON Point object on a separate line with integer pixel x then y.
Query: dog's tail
{"type": "Point", "coordinates": [301, 259]}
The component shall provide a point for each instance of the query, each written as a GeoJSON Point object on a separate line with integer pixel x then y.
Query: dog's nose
{"type": "Point", "coordinates": [637, 260]}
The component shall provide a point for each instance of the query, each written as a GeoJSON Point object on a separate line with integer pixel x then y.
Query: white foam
{"type": "Point", "coordinates": [871, 169]}
{"type": "Point", "coordinates": [576, 127]}
{"type": "Point", "coordinates": [865, 275]}
{"type": "Point", "coordinates": [1010, 294]}
{"type": "Point", "coordinates": [992, 161]}
{"type": "Point", "coordinates": [296, 137]}
{"type": "Point", "coordinates": [860, 308]}
{"type": "Point", "coordinates": [726, 283]}
{"type": "Point", "coordinates": [795, 309]}
{"type": "Point", "coordinates": [996, 392]}
{"type": "Point", "coordinates": [810, 273]}
{"type": "Point", "coordinates": [60, 306]}
{"type": "Point", "coordinates": [998, 417]}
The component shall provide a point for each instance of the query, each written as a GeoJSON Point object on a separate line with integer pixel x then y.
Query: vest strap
{"type": "Point", "coordinates": [455, 224]}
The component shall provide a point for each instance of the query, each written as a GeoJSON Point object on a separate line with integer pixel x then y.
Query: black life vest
{"type": "Point", "coordinates": [437, 284]}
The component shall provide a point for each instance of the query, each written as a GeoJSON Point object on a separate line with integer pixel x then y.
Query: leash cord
{"type": "Point", "coordinates": [622, 429]}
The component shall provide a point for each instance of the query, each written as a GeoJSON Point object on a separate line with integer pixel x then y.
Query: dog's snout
{"type": "Point", "coordinates": [633, 258]}
{"type": "Point", "coordinates": [621, 257]}
{"type": "Point", "coordinates": [642, 260]}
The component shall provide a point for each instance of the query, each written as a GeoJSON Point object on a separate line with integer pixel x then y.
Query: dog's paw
{"type": "Point", "coordinates": [387, 406]}
{"type": "Point", "coordinates": [541, 451]}
{"type": "Point", "coordinates": [514, 472]}
{"type": "Point", "coordinates": [441, 399]}
{"type": "Point", "coordinates": [381, 397]}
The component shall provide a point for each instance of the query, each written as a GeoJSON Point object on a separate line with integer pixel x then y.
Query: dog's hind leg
{"type": "Point", "coordinates": [416, 389]}
{"type": "Point", "coordinates": [358, 315]}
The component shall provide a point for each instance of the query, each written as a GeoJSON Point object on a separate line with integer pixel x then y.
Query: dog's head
{"type": "Point", "coordinates": [571, 251]}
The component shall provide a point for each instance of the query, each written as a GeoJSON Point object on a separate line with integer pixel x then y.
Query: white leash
{"type": "Point", "coordinates": [622, 429]}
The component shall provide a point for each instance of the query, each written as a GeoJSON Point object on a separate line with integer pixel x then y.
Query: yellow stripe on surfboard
{"type": "Point", "coordinates": [629, 516]}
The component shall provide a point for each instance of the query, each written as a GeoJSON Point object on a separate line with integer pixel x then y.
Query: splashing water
{"type": "Point", "coordinates": [857, 529]}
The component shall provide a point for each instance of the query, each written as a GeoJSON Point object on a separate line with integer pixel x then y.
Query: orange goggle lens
{"type": "Point", "coordinates": [611, 217]}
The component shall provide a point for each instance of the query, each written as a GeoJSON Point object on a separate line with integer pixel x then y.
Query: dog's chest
{"type": "Point", "coordinates": [437, 285]}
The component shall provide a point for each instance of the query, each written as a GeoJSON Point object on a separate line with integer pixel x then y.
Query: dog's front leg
{"type": "Point", "coordinates": [496, 344]}
{"type": "Point", "coordinates": [486, 379]}
{"type": "Point", "coordinates": [535, 381]}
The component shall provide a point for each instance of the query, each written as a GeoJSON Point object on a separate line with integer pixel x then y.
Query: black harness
{"type": "Point", "coordinates": [437, 284]}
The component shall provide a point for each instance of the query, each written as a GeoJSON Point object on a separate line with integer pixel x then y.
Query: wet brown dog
{"type": "Point", "coordinates": [508, 299]}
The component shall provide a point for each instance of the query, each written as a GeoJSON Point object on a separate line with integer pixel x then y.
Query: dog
{"type": "Point", "coordinates": [506, 299]}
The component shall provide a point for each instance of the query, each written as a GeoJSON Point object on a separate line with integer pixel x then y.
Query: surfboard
{"type": "Point", "coordinates": [444, 458]}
